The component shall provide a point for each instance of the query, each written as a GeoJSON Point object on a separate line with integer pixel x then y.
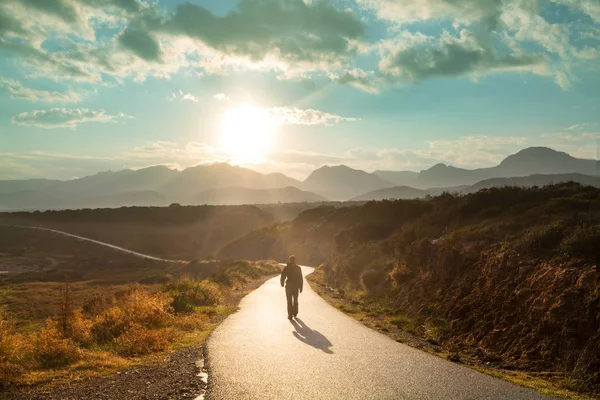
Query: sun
{"type": "Point", "coordinates": [246, 133]}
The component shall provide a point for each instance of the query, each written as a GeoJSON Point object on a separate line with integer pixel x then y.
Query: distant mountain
{"type": "Point", "coordinates": [530, 161]}
{"type": "Point", "coordinates": [399, 178]}
{"type": "Point", "coordinates": [342, 182]}
{"type": "Point", "coordinates": [27, 184]}
{"type": "Point", "coordinates": [205, 177]}
{"type": "Point", "coordinates": [535, 180]}
{"type": "Point", "coordinates": [240, 195]}
{"type": "Point", "coordinates": [149, 186]}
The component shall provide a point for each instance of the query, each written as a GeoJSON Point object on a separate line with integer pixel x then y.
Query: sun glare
{"type": "Point", "coordinates": [246, 133]}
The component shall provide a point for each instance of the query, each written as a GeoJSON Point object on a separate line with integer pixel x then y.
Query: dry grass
{"type": "Point", "coordinates": [121, 329]}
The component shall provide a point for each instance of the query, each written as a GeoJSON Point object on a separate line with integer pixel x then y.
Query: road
{"type": "Point", "coordinates": [112, 246]}
{"type": "Point", "coordinates": [257, 353]}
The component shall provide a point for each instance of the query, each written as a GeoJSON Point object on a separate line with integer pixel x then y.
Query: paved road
{"type": "Point", "coordinates": [257, 353]}
{"type": "Point", "coordinates": [112, 246]}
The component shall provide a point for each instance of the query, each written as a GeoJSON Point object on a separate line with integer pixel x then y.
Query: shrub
{"type": "Point", "coordinates": [134, 306]}
{"type": "Point", "coordinates": [138, 340]}
{"type": "Point", "coordinates": [80, 328]}
{"type": "Point", "coordinates": [186, 294]}
{"type": "Point", "coordinates": [583, 241]}
{"type": "Point", "coordinates": [372, 279]}
{"type": "Point", "coordinates": [192, 322]}
{"type": "Point", "coordinates": [52, 349]}
{"type": "Point", "coordinates": [235, 273]}
{"type": "Point", "coordinates": [400, 274]}
{"type": "Point", "coordinates": [14, 351]}
{"type": "Point", "coordinates": [543, 238]}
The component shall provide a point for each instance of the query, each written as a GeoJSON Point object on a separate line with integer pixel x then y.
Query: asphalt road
{"type": "Point", "coordinates": [257, 353]}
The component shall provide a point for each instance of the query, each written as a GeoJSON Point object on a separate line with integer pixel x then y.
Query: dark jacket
{"type": "Point", "coordinates": [293, 274]}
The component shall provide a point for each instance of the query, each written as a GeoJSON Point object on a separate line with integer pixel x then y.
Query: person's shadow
{"type": "Point", "coordinates": [309, 336]}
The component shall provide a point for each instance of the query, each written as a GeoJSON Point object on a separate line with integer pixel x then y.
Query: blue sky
{"type": "Point", "coordinates": [91, 85]}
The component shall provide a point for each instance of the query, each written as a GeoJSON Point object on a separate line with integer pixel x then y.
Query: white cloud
{"type": "Point", "coordinates": [18, 91]}
{"type": "Point", "coordinates": [183, 97]}
{"type": "Point", "coordinates": [296, 116]}
{"type": "Point", "coordinates": [64, 118]}
{"type": "Point", "coordinates": [221, 97]}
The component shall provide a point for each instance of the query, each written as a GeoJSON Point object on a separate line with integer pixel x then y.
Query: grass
{"type": "Point", "coordinates": [120, 330]}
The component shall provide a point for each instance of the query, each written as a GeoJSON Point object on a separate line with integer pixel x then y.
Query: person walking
{"type": "Point", "coordinates": [291, 276]}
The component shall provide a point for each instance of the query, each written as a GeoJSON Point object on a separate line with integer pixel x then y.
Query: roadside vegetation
{"type": "Point", "coordinates": [505, 279]}
{"type": "Point", "coordinates": [107, 332]}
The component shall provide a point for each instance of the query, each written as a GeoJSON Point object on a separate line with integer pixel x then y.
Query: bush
{"type": "Point", "coordinates": [584, 241]}
{"type": "Point", "coordinates": [372, 279]}
{"type": "Point", "coordinates": [14, 351]}
{"type": "Point", "coordinates": [543, 238]}
{"type": "Point", "coordinates": [138, 340]}
{"type": "Point", "coordinates": [187, 294]}
{"type": "Point", "coordinates": [80, 328]}
{"type": "Point", "coordinates": [134, 306]}
{"type": "Point", "coordinates": [236, 273]}
{"type": "Point", "coordinates": [52, 349]}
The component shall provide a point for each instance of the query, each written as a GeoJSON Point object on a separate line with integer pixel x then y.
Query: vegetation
{"type": "Point", "coordinates": [507, 276]}
{"type": "Point", "coordinates": [109, 331]}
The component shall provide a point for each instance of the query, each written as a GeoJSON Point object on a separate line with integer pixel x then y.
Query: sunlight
{"type": "Point", "coordinates": [246, 133]}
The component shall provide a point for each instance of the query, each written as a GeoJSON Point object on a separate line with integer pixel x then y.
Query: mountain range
{"type": "Point", "coordinates": [225, 184]}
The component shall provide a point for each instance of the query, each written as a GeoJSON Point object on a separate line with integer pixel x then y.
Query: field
{"type": "Point", "coordinates": [72, 309]}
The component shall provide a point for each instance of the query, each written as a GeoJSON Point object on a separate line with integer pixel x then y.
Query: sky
{"type": "Point", "coordinates": [291, 85]}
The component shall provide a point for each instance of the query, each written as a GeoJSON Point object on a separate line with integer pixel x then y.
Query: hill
{"type": "Point", "coordinates": [342, 182]}
{"type": "Point", "coordinates": [240, 195]}
{"type": "Point", "coordinates": [492, 275]}
{"type": "Point", "coordinates": [399, 178]}
{"type": "Point", "coordinates": [535, 180]}
{"type": "Point", "coordinates": [177, 232]}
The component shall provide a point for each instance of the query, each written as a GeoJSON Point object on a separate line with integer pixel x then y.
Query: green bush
{"type": "Point", "coordinates": [188, 294]}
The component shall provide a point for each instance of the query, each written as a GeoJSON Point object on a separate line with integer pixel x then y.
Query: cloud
{"type": "Point", "coordinates": [18, 91]}
{"type": "Point", "coordinates": [359, 78]}
{"type": "Point", "coordinates": [289, 36]}
{"type": "Point", "coordinates": [142, 44]}
{"type": "Point", "coordinates": [183, 97]}
{"type": "Point", "coordinates": [221, 97]}
{"type": "Point", "coordinates": [450, 56]}
{"type": "Point", "coordinates": [64, 118]}
{"type": "Point", "coordinates": [296, 116]}
{"type": "Point", "coordinates": [297, 31]}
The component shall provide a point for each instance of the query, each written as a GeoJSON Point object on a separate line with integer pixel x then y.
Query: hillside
{"type": "Point", "coordinates": [178, 232]}
{"type": "Point", "coordinates": [535, 180]}
{"type": "Point", "coordinates": [240, 195]}
{"type": "Point", "coordinates": [492, 275]}
{"type": "Point", "coordinates": [342, 182]}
